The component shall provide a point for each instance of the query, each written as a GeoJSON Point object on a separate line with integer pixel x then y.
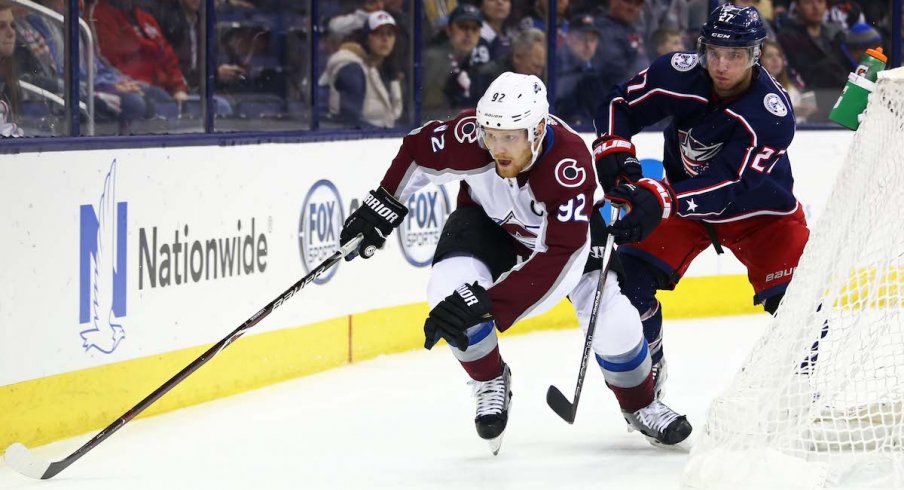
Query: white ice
{"type": "Point", "coordinates": [406, 422]}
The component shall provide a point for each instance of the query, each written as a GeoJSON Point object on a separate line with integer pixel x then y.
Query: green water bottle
{"type": "Point", "coordinates": [861, 82]}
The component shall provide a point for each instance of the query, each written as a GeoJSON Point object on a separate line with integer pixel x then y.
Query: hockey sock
{"type": "Point", "coordinates": [652, 331]}
{"type": "Point", "coordinates": [481, 360]}
{"type": "Point", "coordinates": [629, 376]}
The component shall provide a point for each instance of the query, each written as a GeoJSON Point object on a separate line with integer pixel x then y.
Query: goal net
{"type": "Point", "coordinates": [819, 402]}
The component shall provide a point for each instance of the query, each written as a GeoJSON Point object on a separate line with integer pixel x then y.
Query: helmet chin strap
{"type": "Point", "coordinates": [535, 144]}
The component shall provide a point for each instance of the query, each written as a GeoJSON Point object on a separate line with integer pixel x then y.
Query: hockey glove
{"type": "Point", "coordinates": [647, 203]}
{"type": "Point", "coordinates": [469, 305]}
{"type": "Point", "coordinates": [616, 161]}
{"type": "Point", "coordinates": [377, 216]}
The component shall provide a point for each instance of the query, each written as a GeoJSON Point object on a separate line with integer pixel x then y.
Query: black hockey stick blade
{"type": "Point", "coordinates": [560, 405]}
{"type": "Point", "coordinates": [19, 458]}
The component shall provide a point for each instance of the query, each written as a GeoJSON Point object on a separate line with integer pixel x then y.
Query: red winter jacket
{"type": "Point", "coordinates": [138, 48]}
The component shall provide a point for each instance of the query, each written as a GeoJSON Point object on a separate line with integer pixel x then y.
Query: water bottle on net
{"type": "Point", "coordinates": [861, 82]}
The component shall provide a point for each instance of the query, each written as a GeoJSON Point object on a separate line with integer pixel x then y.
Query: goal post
{"type": "Point", "coordinates": [819, 402]}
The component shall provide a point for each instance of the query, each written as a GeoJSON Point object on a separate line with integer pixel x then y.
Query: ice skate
{"type": "Point", "coordinates": [660, 425]}
{"type": "Point", "coordinates": [494, 398]}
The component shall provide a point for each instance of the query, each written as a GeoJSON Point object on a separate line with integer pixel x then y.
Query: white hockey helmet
{"type": "Point", "coordinates": [515, 101]}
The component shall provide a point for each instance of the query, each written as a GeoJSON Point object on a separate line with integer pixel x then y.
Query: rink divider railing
{"type": "Point", "coordinates": [65, 211]}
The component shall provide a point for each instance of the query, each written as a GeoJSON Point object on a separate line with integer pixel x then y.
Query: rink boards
{"type": "Point", "coordinates": [122, 266]}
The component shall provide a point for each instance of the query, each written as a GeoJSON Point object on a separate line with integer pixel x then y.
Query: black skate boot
{"type": "Point", "coordinates": [660, 425]}
{"type": "Point", "coordinates": [494, 398]}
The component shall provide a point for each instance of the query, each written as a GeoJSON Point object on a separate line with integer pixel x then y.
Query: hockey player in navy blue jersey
{"type": "Point", "coordinates": [727, 178]}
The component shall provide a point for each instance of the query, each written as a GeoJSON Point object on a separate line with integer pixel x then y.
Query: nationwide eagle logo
{"type": "Point", "coordinates": [695, 155]}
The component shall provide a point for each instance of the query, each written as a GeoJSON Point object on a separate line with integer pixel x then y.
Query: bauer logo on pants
{"type": "Point", "coordinates": [319, 226]}
{"type": "Point", "coordinates": [102, 268]}
{"type": "Point", "coordinates": [428, 209]}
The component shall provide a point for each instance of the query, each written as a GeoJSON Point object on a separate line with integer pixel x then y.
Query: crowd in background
{"type": "Point", "coordinates": [149, 57]}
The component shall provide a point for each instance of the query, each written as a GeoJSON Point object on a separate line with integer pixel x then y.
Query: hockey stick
{"type": "Point", "coordinates": [554, 397]}
{"type": "Point", "coordinates": [19, 458]}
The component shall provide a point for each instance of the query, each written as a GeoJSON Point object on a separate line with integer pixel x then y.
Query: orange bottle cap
{"type": "Point", "coordinates": [878, 54]}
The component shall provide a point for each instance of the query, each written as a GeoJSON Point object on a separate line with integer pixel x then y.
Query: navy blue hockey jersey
{"type": "Point", "coordinates": [725, 159]}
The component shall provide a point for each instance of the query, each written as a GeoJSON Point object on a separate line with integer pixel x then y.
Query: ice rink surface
{"type": "Point", "coordinates": [406, 422]}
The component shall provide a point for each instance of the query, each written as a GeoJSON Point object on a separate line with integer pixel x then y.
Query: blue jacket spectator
{"type": "Point", "coordinates": [622, 51]}
{"type": "Point", "coordinates": [451, 64]}
{"type": "Point", "coordinates": [579, 85]}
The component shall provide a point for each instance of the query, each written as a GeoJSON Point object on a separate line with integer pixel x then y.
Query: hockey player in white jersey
{"type": "Point", "coordinates": [518, 243]}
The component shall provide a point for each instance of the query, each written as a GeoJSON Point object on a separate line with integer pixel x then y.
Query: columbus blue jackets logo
{"type": "Point", "coordinates": [695, 155]}
{"type": "Point", "coordinates": [102, 276]}
{"type": "Point", "coordinates": [684, 61]}
{"type": "Point", "coordinates": [774, 104]}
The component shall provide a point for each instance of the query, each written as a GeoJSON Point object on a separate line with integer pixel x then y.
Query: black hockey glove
{"type": "Point", "coordinates": [647, 202]}
{"type": "Point", "coordinates": [616, 161]}
{"type": "Point", "coordinates": [469, 305]}
{"type": "Point", "coordinates": [378, 215]}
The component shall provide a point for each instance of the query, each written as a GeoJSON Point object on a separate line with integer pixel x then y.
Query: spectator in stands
{"type": "Point", "coordinates": [528, 57]}
{"type": "Point", "coordinates": [663, 14]}
{"type": "Point", "coordinates": [9, 86]}
{"type": "Point", "coordinates": [578, 85]}
{"type": "Point", "coordinates": [622, 51]}
{"type": "Point", "coordinates": [364, 90]}
{"type": "Point", "coordinates": [180, 21]}
{"type": "Point", "coordinates": [858, 39]}
{"type": "Point", "coordinates": [813, 48]}
{"type": "Point", "coordinates": [498, 28]}
{"type": "Point", "coordinates": [342, 26]}
{"type": "Point", "coordinates": [132, 41]}
{"type": "Point", "coordinates": [667, 40]}
{"type": "Point", "coordinates": [536, 18]}
{"type": "Point", "coordinates": [451, 64]}
{"type": "Point", "coordinates": [803, 101]}
{"type": "Point", "coordinates": [40, 58]}
{"type": "Point", "coordinates": [437, 13]}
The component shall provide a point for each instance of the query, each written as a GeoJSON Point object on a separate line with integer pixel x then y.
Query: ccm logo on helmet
{"type": "Point", "coordinates": [569, 174]}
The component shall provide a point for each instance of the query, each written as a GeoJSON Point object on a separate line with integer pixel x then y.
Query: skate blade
{"type": "Point", "coordinates": [681, 447]}
{"type": "Point", "coordinates": [495, 444]}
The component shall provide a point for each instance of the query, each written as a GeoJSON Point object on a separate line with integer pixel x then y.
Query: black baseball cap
{"type": "Point", "coordinates": [583, 23]}
{"type": "Point", "coordinates": [466, 12]}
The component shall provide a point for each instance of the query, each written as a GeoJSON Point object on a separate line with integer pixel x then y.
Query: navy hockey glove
{"type": "Point", "coordinates": [378, 215]}
{"type": "Point", "coordinates": [647, 203]}
{"type": "Point", "coordinates": [616, 161]}
{"type": "Point", "coordinates": [469, 305]}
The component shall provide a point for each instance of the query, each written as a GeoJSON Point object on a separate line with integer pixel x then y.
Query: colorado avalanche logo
{"type": "Point", "coordinates": [518, 230]}
{"type": "Point", "coordinates": [569, 174]}
{"type": "Point", "coordinates": [696, 155]}
{"type": "Point", "coordinates": [466, 129]}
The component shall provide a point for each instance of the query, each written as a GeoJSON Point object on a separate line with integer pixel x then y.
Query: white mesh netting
{"type": "Point", "coordinates": [819, 402]}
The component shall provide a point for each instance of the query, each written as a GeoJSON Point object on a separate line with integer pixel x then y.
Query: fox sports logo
{"type": "Point", "coordinates": [419, 233]}
{"type": "Point", "coordinates": [319, 226]}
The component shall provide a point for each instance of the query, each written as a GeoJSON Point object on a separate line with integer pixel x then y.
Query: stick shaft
{"type": "Point", "coordinates": [59, 466]}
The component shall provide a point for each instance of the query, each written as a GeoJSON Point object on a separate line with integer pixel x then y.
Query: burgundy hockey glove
{"type": "Point", "coordinates": [647, 203]}
{"type": "Point", "coordinates": [469, 305]}
{"type": "Point", "coordinates": [616, 161]}
{"type": "Point", "coordinates": [377, 216]}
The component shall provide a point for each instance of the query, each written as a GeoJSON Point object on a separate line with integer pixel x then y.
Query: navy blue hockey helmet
{"type": "Point", "coordinates": [734, 27]}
